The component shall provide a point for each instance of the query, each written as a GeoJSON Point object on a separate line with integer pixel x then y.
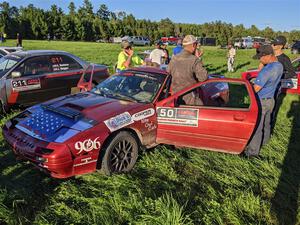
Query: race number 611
{"type": "Point", "coordinates": [166, 112]}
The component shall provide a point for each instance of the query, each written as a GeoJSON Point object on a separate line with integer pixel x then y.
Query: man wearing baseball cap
{"type": "Point", "coordinates": [265, 86]}
{"type": "Point", "coordinates": [127, 58]}
{"type": "Point", "coordinates": [278, 44]}
{"type": "Point", "coordinates": [186, 69]}
{"type": "Point", "coordinates": [288, 71]}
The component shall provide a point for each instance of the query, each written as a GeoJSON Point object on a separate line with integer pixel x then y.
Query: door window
{"type": "Point", "coordinates": [62, 63]}
{"type": "Point", "coordinates": [217, 94]}
{"type": "Point", "coordinates": [35, 66]}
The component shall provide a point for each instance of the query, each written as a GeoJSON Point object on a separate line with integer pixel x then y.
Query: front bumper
{"type": "Point", "coordinates": [59, 163]}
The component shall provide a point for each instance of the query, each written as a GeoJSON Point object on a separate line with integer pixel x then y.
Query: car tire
{"type": "Point", "coordinates": [120, 154]}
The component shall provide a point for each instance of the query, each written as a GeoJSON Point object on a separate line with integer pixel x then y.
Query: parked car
{"type": "Point", "coordinates": [137, 40]}
{"type": "Point", "coordinates": [30, 77]}
{"type": "Point", "coordinates": [170, 40]}
{"type": "Point", "coordinates": [6, 50]}
{"type": "Point", "coordinates": [289, 86]}
{"type": "Point", "coordinates": [295, 49]}
{"type": "Point", "coordinates": [258, 41]}
{"type": "Point", "coordinates": [106, 127]}
{"type": "Point", "coordinates": [116, 40]}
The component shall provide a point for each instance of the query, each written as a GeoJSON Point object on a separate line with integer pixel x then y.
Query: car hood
{"type": "Point", "coordinates": [62, 118]}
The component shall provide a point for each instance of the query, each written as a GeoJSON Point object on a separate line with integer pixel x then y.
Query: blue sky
{"type": "Point", "coordinates": [278, 14]}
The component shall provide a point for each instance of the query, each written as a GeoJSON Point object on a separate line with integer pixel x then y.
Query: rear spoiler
{"type": "Point", "coordinates": [83, 84]}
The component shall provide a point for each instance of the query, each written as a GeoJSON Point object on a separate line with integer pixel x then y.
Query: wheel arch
{"type": "Point", "coordinates": [136, 134]}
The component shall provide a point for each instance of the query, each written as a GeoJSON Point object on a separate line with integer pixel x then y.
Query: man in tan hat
{"type": "Point", "coordinates": [127, 58]}
{"type": "Point", "coordinates": [186, 69]}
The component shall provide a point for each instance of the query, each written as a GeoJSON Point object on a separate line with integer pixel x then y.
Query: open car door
{"type": "Point", "coordinates": [224, 120]}
{"type": "Point", "coordinates": [85, 82]}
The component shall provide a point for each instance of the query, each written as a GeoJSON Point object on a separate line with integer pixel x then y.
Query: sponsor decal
{"type": "Point", "coordinates": [87, 145]}
{"type": "Point", "coordinates": [25, 85]}
{"type": "Point", "coordinates": [150, 126]}
{"type": "Point", "coordinates": [144, 121]}
{"type": "Point", "coordinates": [119, 121]}
{"type": "Point", "coordinates": [291, 83]}
{"type": "Point", "coordinates": [143, 114]}
{"type": "Point", "coordinates": [60, 67]}
{"type": "Point", "coordinates": [178, 116]}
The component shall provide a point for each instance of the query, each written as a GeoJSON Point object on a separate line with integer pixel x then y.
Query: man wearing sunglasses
{"type": "Point", "coordinates": [265, 86]}
{"type": "Point", "coordinates": [278, 44]}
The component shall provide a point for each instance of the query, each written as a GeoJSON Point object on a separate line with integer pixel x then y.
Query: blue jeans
{"type": "Point", "coordinates": [263, 132]}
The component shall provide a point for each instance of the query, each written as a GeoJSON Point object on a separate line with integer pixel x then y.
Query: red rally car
{"type": "Point", "coordinates": [104, 128]}
{"type": "Point", "coordinates": [289, 86]}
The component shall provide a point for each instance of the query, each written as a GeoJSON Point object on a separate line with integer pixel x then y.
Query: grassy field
{"type": "Point", "coordinates": [167, 186]}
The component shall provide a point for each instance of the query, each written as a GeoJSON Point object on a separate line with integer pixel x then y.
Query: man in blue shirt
{"type": "Point", "coordinates": [178, 48]}
{"type": "Point", "coordinates": [265, 86]}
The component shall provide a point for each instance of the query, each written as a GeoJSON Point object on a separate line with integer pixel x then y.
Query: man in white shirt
{"type": "Point", "coordinates": [231, 56]}
{"type": "Point", "coordinates": [157, 55]}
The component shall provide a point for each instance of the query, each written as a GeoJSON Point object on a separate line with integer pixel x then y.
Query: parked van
{"type": "Point", "coordinates": [245, 42]}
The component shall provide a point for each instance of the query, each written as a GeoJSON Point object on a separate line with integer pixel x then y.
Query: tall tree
{"type": "Point", "coordinates": [166, 27]}
{"type": "Point", "coordinates": [55, 16]}
{"type": "Point", "coordinates": [103, 13]}
{"type": "Point", "coordinates": [72, 9]}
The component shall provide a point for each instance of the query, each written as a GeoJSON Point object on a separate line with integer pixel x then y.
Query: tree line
{"type": "Point", "coordinates": [88, 24]}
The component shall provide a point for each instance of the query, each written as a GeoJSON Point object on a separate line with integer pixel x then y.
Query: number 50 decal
{"type": "Point", "coordinates": [166, 112]}
{"type": "Point", "coordinates": [178, 116]}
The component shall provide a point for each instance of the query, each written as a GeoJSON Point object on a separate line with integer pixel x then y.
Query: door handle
{"type": "Point", "coordinates": [239, 117]}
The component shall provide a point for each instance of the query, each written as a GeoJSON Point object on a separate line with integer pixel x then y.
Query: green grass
{"type": "Point", "coordinates": [167, 186]}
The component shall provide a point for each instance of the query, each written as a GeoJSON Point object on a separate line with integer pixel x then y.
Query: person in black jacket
{"type": "Point", "coordinates": [288, 72]}
{"type": "Point", "coordinates": [278, 44]}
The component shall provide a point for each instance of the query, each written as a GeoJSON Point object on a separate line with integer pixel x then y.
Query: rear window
{"type": "Point", "coordinates": [35, 66]}
{"type": "Point", "coordinates": [64, 63]}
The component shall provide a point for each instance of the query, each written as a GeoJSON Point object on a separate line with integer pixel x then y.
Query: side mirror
{"type": "Point", "coordinates": [15, 74]}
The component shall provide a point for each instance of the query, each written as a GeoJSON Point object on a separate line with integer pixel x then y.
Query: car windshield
{"type": "Point", "coordinates": [6, 63]}
{"type": "Point", "coordinates": [135, 87]}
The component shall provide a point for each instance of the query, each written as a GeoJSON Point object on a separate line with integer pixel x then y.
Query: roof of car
{"type": "Point", "coordinates": [149, 70]}
{"type": "Point", "coordinates": [9, 47]}
{"type": "Point", "coordinates": [39, 52]}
